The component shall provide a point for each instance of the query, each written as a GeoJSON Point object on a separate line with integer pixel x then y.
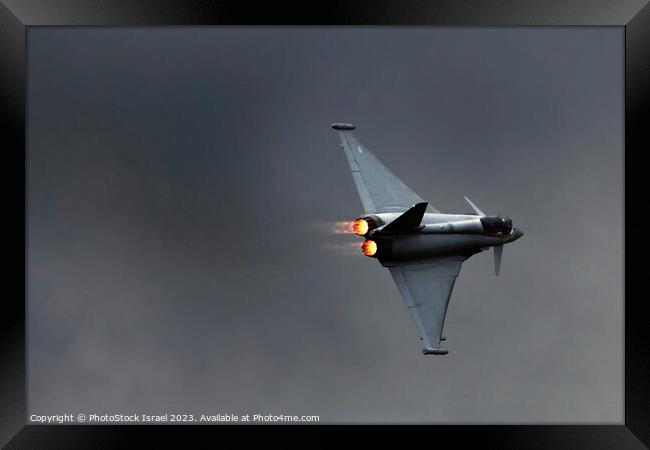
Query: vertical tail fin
{"type": "Point", "coordinates": [408, 221]}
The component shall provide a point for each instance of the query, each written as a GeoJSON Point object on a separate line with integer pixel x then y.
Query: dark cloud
{"type": "Point", "coordinates": [181, 187]}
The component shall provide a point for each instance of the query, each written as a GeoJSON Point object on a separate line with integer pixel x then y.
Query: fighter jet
{"type": "Point", "coordinates": [422, 248]}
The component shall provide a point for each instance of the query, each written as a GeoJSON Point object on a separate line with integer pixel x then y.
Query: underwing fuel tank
{"type": "Point", "coordinates": [461, 226]}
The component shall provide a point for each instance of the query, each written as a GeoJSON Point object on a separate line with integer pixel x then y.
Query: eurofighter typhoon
{"type": "Point", "coordinates": [422, 248]}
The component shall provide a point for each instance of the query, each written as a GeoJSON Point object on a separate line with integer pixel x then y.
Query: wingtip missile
{"type": "Point", "coordinates": [343, 126]}
{"type": "Point", "coordinates": [434, 351]}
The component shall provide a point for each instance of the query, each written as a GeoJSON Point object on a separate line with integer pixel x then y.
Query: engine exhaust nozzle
{"type": "Point", "coordinates": [369, 247]}
{"type": "Point", "coordinates": [360, 227]}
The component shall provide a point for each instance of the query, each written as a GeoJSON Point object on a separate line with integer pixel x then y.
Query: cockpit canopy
{"type": "Point", "coordinates": [498, 225]}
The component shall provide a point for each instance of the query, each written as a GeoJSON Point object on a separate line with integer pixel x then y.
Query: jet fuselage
{"type": "Point", "coordinates": [437, 235]}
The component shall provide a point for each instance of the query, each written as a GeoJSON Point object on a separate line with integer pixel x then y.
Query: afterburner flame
{"type": "Point", "coordinates": [360, 227]}
{"type": "Point", "coordinates": [369, 247]}
{"type": "Point", "coordinates": [341, 227]}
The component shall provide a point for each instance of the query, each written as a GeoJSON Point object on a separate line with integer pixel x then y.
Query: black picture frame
{"type": "Point", "coordinates": [15, 19]}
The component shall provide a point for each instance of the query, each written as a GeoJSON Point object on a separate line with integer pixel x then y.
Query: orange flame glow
{"type": "Point", "coordinates": [360, 227]}
{"type": "Point", "coordinates": [369, 247]}
{"type": "Point", "coordinates": [342, 227]}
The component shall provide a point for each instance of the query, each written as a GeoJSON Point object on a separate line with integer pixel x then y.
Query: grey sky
{"type": "Point", "coordinates": [182, 188]}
